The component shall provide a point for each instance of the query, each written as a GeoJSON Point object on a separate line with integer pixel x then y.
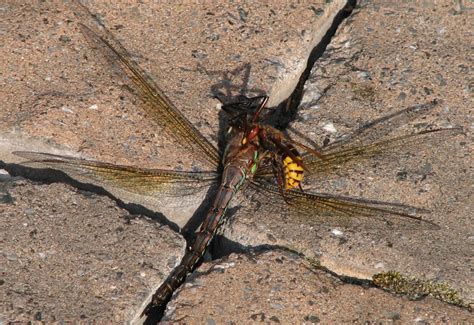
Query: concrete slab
{"type": "Point", "coordinates": [281, 288]}
{"type": "Point", "coordinates": [70, 256]}
{"type": "Point", "coordinates": [386, 58]}
{"type": "Point", "coordinates": [57, 95]}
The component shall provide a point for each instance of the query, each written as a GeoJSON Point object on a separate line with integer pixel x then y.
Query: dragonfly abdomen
{"type": "Point", "coordinates": [292, 168]}
{"type": "Point", "coordinates": [232, 179]}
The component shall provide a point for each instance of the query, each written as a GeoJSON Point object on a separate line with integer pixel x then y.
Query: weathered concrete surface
{"type": "Point", "coordinates": [278, 287]}
{"type": "Point", "coordinates": [386, 58]}
{"type": "Point", "coordinates": [57, 95]}
{"type": "Point", "coordinates": [187, 49]}
{"type": "Point", "coordinates": [56, 90]}
{"type": "Point", "coordinates": [70, 256]}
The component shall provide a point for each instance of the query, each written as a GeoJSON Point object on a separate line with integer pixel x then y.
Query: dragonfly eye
{"type": "Point", "coordinates": [253, 133]}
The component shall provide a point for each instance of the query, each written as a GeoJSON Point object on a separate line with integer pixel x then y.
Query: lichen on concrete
{"type": "Point", "coordinates": [414, 288]}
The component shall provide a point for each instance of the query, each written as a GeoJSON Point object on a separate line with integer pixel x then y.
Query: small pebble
{"type": "Point", "coordinates": [11, 257]}
{"type": "Point", "coordinates": [66, 109]}
{"type": "Point", "coordinates": [379, 265]}
{"type": "Point", "coordinates": [363, 75]}
{"type": "Point", "coordinates": [224, 265]}
{"type": "Point", "coordinates": [441, 30]}
{"type": "Point", "coordinates": [210, 321]}
{"type": "Point", "coordinates": [329, 127]}
{"type": "Point", "coordinates": [402, 96]}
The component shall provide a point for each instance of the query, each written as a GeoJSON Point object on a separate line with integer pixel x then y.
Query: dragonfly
{"type": "Point", "coordinates": [258, 158]}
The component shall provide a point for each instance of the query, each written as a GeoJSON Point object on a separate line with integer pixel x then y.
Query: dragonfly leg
{"type": "Point", "coordinates": [300, 187]}
{"type": "Point", "coordinates": [279, 172]}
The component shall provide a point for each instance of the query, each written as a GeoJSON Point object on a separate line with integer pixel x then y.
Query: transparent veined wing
{"type": "Point", "coordinates": [336, 210]}
{"type": "Point", "coordinates": [173, 193]}
{"type": "Point", "coordinates": [156, 104]}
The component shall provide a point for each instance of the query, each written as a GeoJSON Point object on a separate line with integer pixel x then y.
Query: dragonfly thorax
{"type": "Point", "coordinates": [269, 144]}
{"type": "Point", "coordinates": [285, 159]}
{"type": "Point", "coordinates": [242, 150]}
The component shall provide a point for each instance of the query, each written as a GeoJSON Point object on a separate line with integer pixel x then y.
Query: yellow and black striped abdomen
{"type": "Point", "coordinates": [293, 170]}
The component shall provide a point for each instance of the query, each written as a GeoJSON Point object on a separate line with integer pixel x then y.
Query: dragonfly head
{"type": "Point", "coordinates": [245, 111]}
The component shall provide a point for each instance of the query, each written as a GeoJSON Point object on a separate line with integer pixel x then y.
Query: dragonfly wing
{"type": "Point", "coordinates": [157, 189]}
{"type": "Point", "coordinates": [333, 210]}
{"type": "Point", "coordinates": [380, 128]}
{"type": "Point", "coordinates": [156, 104]}
{"type": "Point", "coordinates": [372, 140]}
{"type": "Point", "coordinates": [345, 155]}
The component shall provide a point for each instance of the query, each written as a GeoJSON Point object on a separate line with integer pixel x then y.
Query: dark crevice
{"type": "Point", "coordinates": [286, 111]}
{"type": "Point", "coordinates": [391, 282]}
{"type": "Point", "coordinates": [261, 249]}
